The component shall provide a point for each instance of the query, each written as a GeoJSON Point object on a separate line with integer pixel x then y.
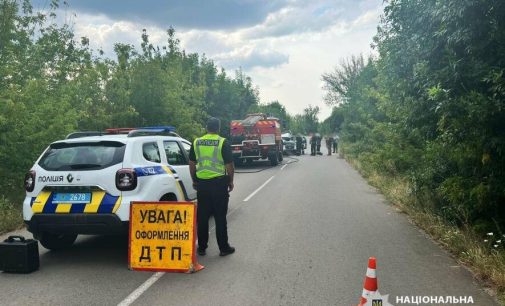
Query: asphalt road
{"type": "Point", "coordinates": [303, 239]}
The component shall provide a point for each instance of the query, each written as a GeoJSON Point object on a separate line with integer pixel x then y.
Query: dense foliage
{"type": "Point", "coordinates": [52, 83]}
{"type": "Point", "coordinates": [430, 107]}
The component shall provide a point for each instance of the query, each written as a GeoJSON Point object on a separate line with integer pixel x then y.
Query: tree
{"type": "Point", "coordinates": [51, 85]}
{"type": "Point", "coordinates": [340, 85]}
{"type": "Point", "coordinates": [429, 108]}
{"type": "Point", "coordinates": [310, 119]}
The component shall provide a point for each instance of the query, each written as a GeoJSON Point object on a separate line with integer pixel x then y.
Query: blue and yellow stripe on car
{"type": "Point", "coordinates": [178, 182]}
{"type": "Point", "coordinates": [101, 202]}
{"type": "Point", "coordinates": [157, 170]}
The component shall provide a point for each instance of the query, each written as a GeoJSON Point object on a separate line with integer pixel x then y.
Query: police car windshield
{"type": "Point", "coordinates": [64, 156]}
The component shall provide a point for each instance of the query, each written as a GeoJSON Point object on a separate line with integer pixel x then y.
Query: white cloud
{"type": "Point", "coordinates": [103, 33]}
{"type": "Point", "coordinates": [369, 18]}
{"type": "Point", "coordinates": [249, 57]}
{"type": "Point", "coordinates": [285, 54]}
{"type": "Point", "coordinates": [311, 55]}
{"type": "Point", "coordinates": [212, 42]}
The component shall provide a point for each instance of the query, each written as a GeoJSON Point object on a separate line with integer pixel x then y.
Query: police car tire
{"type": "Point", "coordinates": [56, 242]}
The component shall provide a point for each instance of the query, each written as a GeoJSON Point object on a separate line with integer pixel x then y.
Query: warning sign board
{"type": "Point", "coordinates": [162, 237]}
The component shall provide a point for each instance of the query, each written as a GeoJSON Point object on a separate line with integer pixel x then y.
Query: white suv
{"type": "Point", "coordinates": [85, 183]}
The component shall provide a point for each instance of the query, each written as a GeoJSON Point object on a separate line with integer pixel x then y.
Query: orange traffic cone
{"type": "Point", "coordinates": [370, 286]}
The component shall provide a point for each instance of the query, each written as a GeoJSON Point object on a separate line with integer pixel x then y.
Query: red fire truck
{"type": "Point", "coordinates": [256, 137]}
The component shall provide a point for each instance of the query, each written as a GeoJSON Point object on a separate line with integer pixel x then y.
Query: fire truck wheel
{"type": "Point", "coordinates": [238, 161]}
{"type": "Point", "coordinates": [274, 158]}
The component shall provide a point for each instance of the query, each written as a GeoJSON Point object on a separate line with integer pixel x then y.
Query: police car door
{"type": "Point", "coordinates": [177, 158]}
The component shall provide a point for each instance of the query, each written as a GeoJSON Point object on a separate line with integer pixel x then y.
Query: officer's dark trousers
{"type": "Point", "coordinates": [212, 200]}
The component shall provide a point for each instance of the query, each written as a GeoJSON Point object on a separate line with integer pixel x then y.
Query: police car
{"type": "Point", "coordinates": [84, 184]}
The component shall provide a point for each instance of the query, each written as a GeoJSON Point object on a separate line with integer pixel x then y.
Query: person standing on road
{"type": "Point", "coordinates": [318, 144]}
{"type": "Point", "coordinates": [313, 143]}
{"type": "Point", "coordinates": [335, 144]}
{"type": "Point", "coordinates": [329, 144]}
{"type": "Point", "coordinates": [211, 168]}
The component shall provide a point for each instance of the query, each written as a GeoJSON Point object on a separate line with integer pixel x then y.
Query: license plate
{"type": "Point", "coordinates": [78, 197]}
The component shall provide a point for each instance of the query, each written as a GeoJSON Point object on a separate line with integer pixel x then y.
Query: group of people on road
{"type": "Point", "coordinates": [301, 143]}
{"type": "Point", "coordinates": [315, 144]}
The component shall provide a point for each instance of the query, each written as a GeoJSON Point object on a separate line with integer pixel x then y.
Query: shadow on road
{"type": "Point", "coordinates": [91, 251]}
{"type": "Point", "coordinates": [260, 165]}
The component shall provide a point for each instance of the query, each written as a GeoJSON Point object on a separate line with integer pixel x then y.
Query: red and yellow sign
{"type": "Point", "coordinates": [162, 237]}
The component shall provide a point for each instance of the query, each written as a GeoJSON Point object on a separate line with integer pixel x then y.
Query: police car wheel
{"type": "Point", "coordinates": [55, 242]}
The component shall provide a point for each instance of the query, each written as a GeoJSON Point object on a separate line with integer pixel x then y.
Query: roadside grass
{"type": "Point", "coordinates": [11, 217]}
{"type": "Point", "coordinates": [485, 259]}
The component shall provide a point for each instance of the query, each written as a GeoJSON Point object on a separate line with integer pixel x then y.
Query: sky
{"type": "Point", "coordinates": [283, 45]}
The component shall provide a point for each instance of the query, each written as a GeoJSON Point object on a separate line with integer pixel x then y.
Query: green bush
{"type": "Point", "coordinates": [10, 216]}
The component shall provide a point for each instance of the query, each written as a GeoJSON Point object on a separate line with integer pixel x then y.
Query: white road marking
{"type": "Point", "coordinates": [259, 188]}
{"type": "Point", "coordinates": [156, 276]}
{"type": "Point", "coordinates": [284, 166]}
{"type": "Point", "coordinates": [140, 290]}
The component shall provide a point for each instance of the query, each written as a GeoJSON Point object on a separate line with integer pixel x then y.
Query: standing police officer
{"type": "Point", "coordinates": [211, 167]}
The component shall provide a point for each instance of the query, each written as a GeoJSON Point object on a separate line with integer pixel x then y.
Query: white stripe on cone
{"type": "Point", "coordinates": [371, 273]}
{"type": "Point", "coordinates": [366, 293]}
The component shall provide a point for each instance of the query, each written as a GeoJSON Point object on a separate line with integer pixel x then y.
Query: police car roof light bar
{"type": "Point", "coordinates": [154, 130]}
{"type": "Point", "coordinates": [132, 132]}
{"type": "Point", "coordinates": [166, 128]}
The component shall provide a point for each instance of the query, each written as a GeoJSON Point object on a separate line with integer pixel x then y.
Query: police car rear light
{"type": "Point", "coordinates": [126, 179]}
{"type": "Point", "coordinates": [30, 181]}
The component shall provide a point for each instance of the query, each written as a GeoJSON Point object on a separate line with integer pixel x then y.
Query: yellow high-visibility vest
{"type": "Point", "coordinates": [210, 163]}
